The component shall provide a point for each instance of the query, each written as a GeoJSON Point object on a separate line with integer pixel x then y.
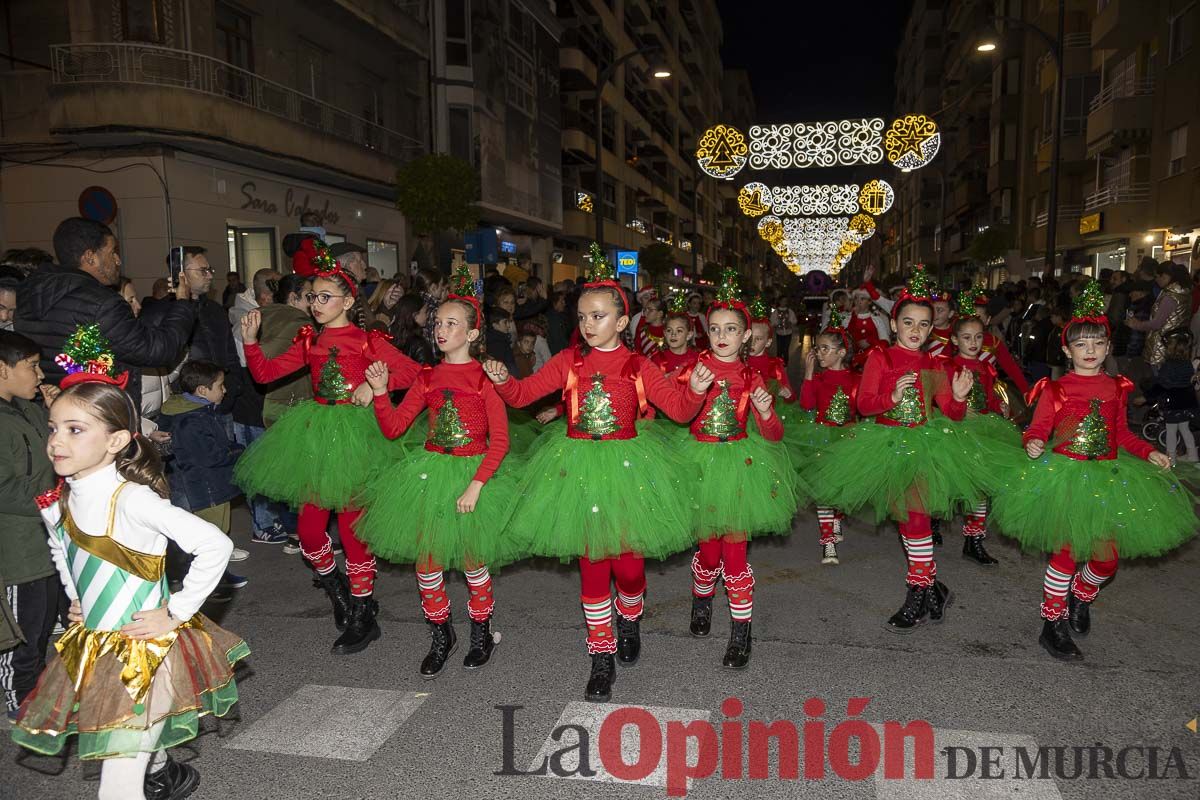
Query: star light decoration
{"type": "Point", "coordinates": [721, 152]}
{"type": "Point", "coordinates": [912, 141]}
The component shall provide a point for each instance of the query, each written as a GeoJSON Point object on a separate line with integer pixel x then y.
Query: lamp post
{"type": "Point", "coordinates": [602, 79]}
{"type": "Point", "coordinates": [1056, 48]}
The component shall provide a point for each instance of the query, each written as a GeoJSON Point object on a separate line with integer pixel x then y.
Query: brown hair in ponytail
{"type": "Point", "coordinates": [139, 462]}
{"type": "Point", "coordinates": [357, 313]}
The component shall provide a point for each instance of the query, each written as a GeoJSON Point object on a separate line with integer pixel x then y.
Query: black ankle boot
{"type": "Point", "coordinates": [973, 549]}
{"type": "Point", "coordinates": [338, 588]}
{"type": "Point", "coordinates": [737, 654]}
{"type": "Point", "coordinates": [604, 675]}
{"type": "Point", "coordinates": [912, 613]}
{"type": "Point", "coordinates": [935, 530]}
{"type": "Point", "coordinates": [1056, 639]}
{"type": "Point", "coordinates": [443, 645]}
{"type": "Point", "coordinates": [361, 628]}
{"type": "Point", "coordinates": [937, 597]}
{"type": "Point", "coordinates": [173, 781]}
{"type": "Point", "coordinates": [1079, 614]}
{"type": "Point", "coordinates": [629, 640]}
{"type": "Point", "coordinates": [482, 644]}
{"type": "Point", "coordinates": [701, 616]}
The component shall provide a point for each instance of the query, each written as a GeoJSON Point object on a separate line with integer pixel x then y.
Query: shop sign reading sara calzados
{"type": "Point", "coordinates": [291, 208]}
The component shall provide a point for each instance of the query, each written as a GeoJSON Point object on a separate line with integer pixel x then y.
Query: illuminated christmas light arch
{"type": "Point", "coordinates": [754, 199]}
{"type": "Point", "coordinates": [721, 152]}
{"type": "Point", "coordinates": [876, 197]}
{"type": "Point", "coordinates": [912, 141]}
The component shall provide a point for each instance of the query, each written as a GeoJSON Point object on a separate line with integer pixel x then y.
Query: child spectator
{"type": "Point", "coordinates": [524, 356]}
{"type": "Point", "coordinates": [29, 575]}
{"type": "Point", "coordinates": [200, 472]}
{"type": "Point", "coordinates": [1175, 394]}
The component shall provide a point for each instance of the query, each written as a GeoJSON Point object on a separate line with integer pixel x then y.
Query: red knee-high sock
{"type": "Point", "coordinates": [975, 522]}
{"type": "Point", "coordinates": [595, 593]}
{"type": "Point", "coordinates": [706, 567]}
{"type": "Point", "coordinates": [1056, 584]}
{"type": "Point", "coordinates": [311, 528]}
{"type": "Point", "coordinates": [360, 564]}
{"type": "Point", "coordinates": [918, 547]}
{"type": "Point", "coordinates": [1093, 575]}
{"type": "Point", "coordinates": [481, 601]}
{"type": "Point", "coordinates": [431, 582]}
{"type": "Point", "coordinates": [739, 578]}
{"type": "Point", "coordinates": [827, 521]}
{"type": "Point", "coordinates": [629, 572]}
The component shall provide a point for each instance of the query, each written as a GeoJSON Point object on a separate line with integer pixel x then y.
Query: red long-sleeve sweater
{"type": "Point", "coordinates": [700, 327]}
{"type": "Point", "coordinates": [885, 366]}
{"type": "Point", "coordinates": [1063, 404]}
{"type": "Point", "coordinates": [938, 343]}
{"type": "Point", "coordinates": [356, 350]}
{"type": "Point", "coordinates": [670, 363]}
{"type": "Point", "coordinates": [618, 372]}
{"type": "Point", "coordinates": [772, 368]}
{"type": "Point", "coordinates": [480, 411]}
{"type": "Point", "coordinates": [985, 379]}
{"type": "Point", "coordinates": [740, 381]}
{"type": "Point", "coordinates": [816, 393]}
{"type": "Point", "coordinates": [995, 350]}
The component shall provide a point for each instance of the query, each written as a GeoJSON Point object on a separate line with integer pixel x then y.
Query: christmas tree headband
{"type": "Point", "coordinates": [1089, 308]}
{"type": "Point", "coordinates": [600, 275]}
{"type": "Point", "coordinates": [313, 260]}
{"type": "Point", "coordinates": [462, 289]}
{"type": "Point", "coordinates": [969, 300]}
{"type": "Point", "coordinates": [729, 296]}
{"type": "Point", "coordinates": [915, 291]}
{"type": "Point", "coordinates": [677, 303]}
{"type": "Point", "coordinates": [759, 311]}
{"type": "Point", "coordinates": [837, 327]}
{"type": "Point", "coordinates": [87, 358]}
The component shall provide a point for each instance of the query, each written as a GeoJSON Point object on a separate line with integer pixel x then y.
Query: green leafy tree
{"type": "Point", "coordinates": [991, 244]}
{"type": "Point", "coordinates": [437, 192]}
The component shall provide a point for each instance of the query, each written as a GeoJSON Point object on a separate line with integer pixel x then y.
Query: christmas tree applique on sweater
{"type": "Point", "coordinates": [448, 430]}
{"type": "Point", "coordinates": [331, 383]}
{"type": "Point", "coordinates": [1091, 437]}
{"type": "Point", "coordinates": [596, 417]}
{"type": "Point", "coordinates": [721, 420]}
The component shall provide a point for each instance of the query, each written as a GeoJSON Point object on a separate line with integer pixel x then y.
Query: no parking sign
{"type": "Point", "coordinates": [98, 204]}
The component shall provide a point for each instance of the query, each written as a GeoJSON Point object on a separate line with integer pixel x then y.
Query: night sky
{"type": "Point", "coordinates": [813, 61]}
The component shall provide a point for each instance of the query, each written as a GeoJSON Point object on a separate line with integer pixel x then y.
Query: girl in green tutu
{"type": "Point", "coordinates": [832, 395]}
{"type": "Point", "coordinates": [1075, 496]}
{"type": "Point", "coordinates": [903, 467]}
{"type": "Point", "coordinates": [431, 508]}
{"type": "Point", "coordinates": [322, 452]}
{"type": "Point", "coordinates": [602, 494]}
{"type": "Point", "coordinates": [986, 420]}
{"type": "Point", "coordinates": [743, 485]}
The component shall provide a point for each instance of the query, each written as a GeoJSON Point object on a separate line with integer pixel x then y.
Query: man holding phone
{"type": "Point", "coordinates": [81, 289]}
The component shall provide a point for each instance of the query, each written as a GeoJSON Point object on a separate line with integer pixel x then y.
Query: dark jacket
{"type": "Point", "coordinates": [210, 339]}
{"type": "Point", "coordinates": [54, 300]}
{"type": "Point", "coordinates": [200, 470]}
{"type": "Point", "coordinates": [25, 472]}
{"type": "Point", "coordinates": [499, 347]}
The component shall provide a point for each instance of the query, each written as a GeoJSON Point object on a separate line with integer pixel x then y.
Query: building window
{"type": "Point", "coordinates": [1176, 150]}
{"type": "Point", "coordinates": [234, 43]}
{"type": "Point", "coordinates": [250, 249]}
{"type": "Point", "coordinates": [521, 88]}
{"type": "Point", "coordinates": [610, 199]}
{"type": "Point", "coordinates": [141, 21]}
{"type": "Point", "coordinates": [461, 135]}
{"type": "Point", "coordinates": [458, 33]}
{"type": "Point", "coordinates": [1181, 34]}
{"type": "Point", "coordinates": [384, 256]}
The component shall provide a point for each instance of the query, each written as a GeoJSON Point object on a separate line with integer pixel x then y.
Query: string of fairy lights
{"type": "Point", "coordinates": [818, 226]}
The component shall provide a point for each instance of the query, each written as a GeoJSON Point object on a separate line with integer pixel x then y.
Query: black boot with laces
{"type": "Point", "coordinates": [604, 675]}
{"type": "Point", "coordinates": [912, 613]}
{"type": "Point", "coordinates": [737, 655]}
{"type": "Point", "coordinates": [444, 643]}
{"type": "Point", "coordinates": [482, 644]}
{"type": "Point", "coordinates": [701, 616]}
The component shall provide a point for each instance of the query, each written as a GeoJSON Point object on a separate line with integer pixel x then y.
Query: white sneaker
{"type": "Point", "coordinates": [239, 554]}
{"type": "Point", "coordinates": [829, 553]}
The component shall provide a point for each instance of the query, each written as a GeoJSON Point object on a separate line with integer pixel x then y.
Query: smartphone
{"type": "Point", "coordinates": [175, 265]}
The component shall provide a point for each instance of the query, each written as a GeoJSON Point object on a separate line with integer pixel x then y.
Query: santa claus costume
{"type": "Point", "coordinates": [1075, 495]}
{"type": "Point", "coordinates": [602, 494]}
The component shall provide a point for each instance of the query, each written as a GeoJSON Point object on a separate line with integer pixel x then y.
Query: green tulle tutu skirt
{"type": "Point", "coordinates": [748, 486]}
{"type": "Point", "coordinates": [411, 513]}
{"type": "Point", "coordinates": [603, 498]}
{"type": "Point", "coordinates": [316, 454]}
{"type": "Point", "coordinates": [992, 427]}
{"type": "Point", "coordinates": [1051, 501]}
{"type": "Point", "coordinates": [892, 470]}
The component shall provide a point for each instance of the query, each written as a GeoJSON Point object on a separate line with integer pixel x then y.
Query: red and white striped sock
{"type": "Point", "coordinates": [597, 613]}
{"type": "Point", "coordinates": [479, 586]}
{"type": "Point", "coordinates": [704, 581]}
{"type": "Point", "coordinates": [1088, 580]}
{"type": "Point", "coordinates": [434, 602]}
{"type": "Point", "coordinates": [828, 524]}
{"type": "Point", "coordinates": [630, 606]}
{"type": "Point", "coordinates": [321, 559]}
{"type": "Point", "coordinates": [740, 591]}
{"type": "Point", "coordinates": [975, 523]}
{"type": "Point", "coordinates": [1055, 586]}
{"type": "Point", "coordinates": [362, 577]}
{"type": "Point", "coordinates": [921, 568]}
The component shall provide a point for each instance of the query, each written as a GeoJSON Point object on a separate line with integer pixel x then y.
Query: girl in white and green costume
{"type": "Point", "coordinates": [140, 665]}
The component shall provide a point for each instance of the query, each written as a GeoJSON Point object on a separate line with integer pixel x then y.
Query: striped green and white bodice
{"type": "Point", "coordinates": [113, 581]}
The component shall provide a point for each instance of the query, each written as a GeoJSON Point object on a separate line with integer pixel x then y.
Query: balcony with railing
{"type": "Point", "coordinates": [137, 87]}
{"type": "Point", "coordinates": [1066, 212]}
{"type": "Point", "coordinates": [1120, 113]}
{"type": "Point", "coordinates": [1117, 194]}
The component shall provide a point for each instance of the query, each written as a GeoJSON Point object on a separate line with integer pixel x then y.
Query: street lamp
{"type": "Point", "coordinates": [1056, 48]}
{"type": "Point", "coordinates": [602, 79]}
